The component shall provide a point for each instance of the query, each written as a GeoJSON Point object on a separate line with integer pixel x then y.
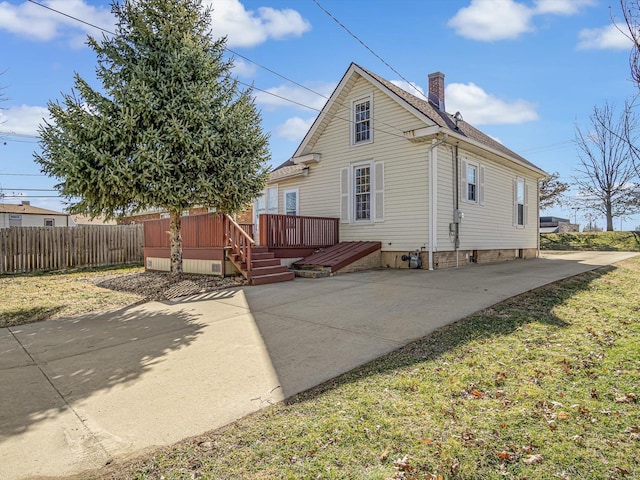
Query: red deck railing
{"type": "Point", "coordinates": [289, 231]}
{"type": "Point", "coordinates": [239, 241]}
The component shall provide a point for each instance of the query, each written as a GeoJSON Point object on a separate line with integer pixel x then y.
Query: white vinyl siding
{"type": "Point", "coordinates": [490, 223]}
{"type": "Point", "coordinates": [402, 222]}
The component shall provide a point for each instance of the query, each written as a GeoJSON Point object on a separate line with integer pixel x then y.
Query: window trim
{"type": "Point", "coordinates": [352, 127]}
{"type": "Point", "coordinates": [52, 220]}
{"type": "Point", "coordinates": [516, 204]}
{"type": "Point", "coordinates": [284, 200]}
{"type": "Point", "coordinates": [465, 163]}
{"type": "Point", "coordinates": [472, 166]}
{"type": "Point", "coordinates": [368, 164]}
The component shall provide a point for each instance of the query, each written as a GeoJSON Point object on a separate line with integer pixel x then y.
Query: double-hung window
{"type": "Point", "coordinates": [361, 120]}
{"type": "Point", "coordinates": [520, 203]}
{"type": "Point", "coordinates": [472, 183]}
{"type": "Point", "coordinates": [472, 180]}
{"type": "Point", "coordinates": [362, 192]}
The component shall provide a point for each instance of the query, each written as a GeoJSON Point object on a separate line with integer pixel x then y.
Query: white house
{"type": "Point", "coordinates": [399, 169]}
{"type": "Point", "coordinates": [26, 215]}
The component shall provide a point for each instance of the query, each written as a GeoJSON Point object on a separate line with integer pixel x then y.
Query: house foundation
{"type": "Point", "coordinates": [452, 259]}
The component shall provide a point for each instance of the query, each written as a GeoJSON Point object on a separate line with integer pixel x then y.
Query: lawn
{"type": "Point", "coordinates": [34, 297]}
{"type": "Point", "coordinates": [544, 385]}
{"type": "Point", "coordinates": [604, 241]}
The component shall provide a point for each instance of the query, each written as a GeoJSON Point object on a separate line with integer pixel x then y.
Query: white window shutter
{"type": "Point", "coordinates": [344, 195]}
{"type": "Point", "coordinates": [526, 204]}
{"type": "Point", "coordinates": [515, 202]}
{"type": "Point", "coordinates": [379, 191]}
{"type": "Point", "coordinates": [464, 181]}
{"type": "Point", "coordinates": [481, 185]}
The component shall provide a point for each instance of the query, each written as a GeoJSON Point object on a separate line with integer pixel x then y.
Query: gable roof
{"type": "Point", "coordinates": [27, 209]}
{"type": "Point", "coordinates": [418, 106]}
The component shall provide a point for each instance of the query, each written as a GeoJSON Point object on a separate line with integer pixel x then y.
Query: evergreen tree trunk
{"type": "Point", "coordinates": [175, 236]}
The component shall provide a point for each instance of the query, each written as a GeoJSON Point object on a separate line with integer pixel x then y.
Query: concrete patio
{"type": "Point", "coordinates": [78, 392]}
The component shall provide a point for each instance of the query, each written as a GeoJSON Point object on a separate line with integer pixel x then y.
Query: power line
{"type": "Point", "coordinates": [365, 45]}
{"type": "Point", "coordinates": [29, 196]}
{"type": "Point", "coordinates": [29, 189]}
{"type": "Point", "coordinates": [71, 17]}
{"type": "Point", "coordinates": [15, 134]}
{"type": "Point", "coordinates": [269, 70]}
{"type": "Point", "coordinates": [23, 174]}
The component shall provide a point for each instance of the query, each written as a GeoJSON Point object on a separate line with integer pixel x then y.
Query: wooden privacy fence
{"type": "Point", "coordinates": [28, 249]}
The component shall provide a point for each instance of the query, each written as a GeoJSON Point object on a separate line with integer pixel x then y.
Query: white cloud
{"type": "Point", "coordinates": [294, 128]}
{"type": "Point", "coordinates": [243, 69]}
{"type": "Point", "coordinates": [604, 38]}
{"type": "Point", "coordinates": [480, 108]}
{"type": "Point", "coordinates": [23, 119]}
{"type": "Point", "coordinates": [247, 28]}
{"type": "Point", "coordinates": [412, 88]}
{"type": "Point", "coordinates": [489, 20]}
{"type": "Point", "coordinates": [561, 7]}
{"type": "Point", "coordinates": [38, 23]}
{"type": "Point", "coordinates": [276, 96]}
{"type": "Point", "coordinates": [244, 28]}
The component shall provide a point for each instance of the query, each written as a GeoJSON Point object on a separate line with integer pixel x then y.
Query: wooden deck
{"type": "Point", "coordinates": [337, 256]}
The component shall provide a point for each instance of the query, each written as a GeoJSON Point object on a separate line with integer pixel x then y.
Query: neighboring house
{"type": "Point", "coordinates": [246, 216]}
{"type": "Point", "coordinates": [26, 215]}
{"type": "Point", "coordinates": [557, 225]}
{"type": "Point", "coordinates": [86, 220]}
{"type": "Point", "coordinates": [398, 169]}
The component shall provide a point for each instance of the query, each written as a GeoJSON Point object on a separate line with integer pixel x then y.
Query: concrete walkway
{"type": "Point", "coordinates": [78, 392]}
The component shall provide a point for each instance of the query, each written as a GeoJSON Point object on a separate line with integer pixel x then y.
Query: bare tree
{"type": "Point", "coordinates": [605, 177]}
{"type": "Point", "coordinates": [551, 191]}
{"type": "Point", "coordinates": [631, 15]}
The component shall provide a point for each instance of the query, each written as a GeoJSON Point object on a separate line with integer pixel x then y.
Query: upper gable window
{"type": "Point", "coordinates": [362, 131]}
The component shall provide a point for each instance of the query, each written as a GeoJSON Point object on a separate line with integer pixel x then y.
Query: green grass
{"type": "Point", "coordinates": [607, 241]}
{"type": "Point", "coordinates": [28, 298]}
{"type": "Point", "coordinates": [544, 385]}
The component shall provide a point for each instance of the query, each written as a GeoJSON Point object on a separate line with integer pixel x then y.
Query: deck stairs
{"type": "Point", "coordinates": [332, 259]}
{"type": "Point", "coordinates": [265, 268]}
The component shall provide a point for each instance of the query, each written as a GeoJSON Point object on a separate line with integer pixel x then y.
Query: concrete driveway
{"type": "Point", "coordinates": [78, 392]}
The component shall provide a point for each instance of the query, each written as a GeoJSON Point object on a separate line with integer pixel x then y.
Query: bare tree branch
{"type": "Point", "coordinates": [606, 174]}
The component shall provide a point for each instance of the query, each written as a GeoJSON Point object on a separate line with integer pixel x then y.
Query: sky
{"type": "Point", "coordinates": [523, 71]}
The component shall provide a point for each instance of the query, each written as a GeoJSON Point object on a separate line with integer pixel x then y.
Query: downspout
{"type": "Point", "coordinates": [433, 194]}
{"type": "Point", "coordinates": [456, 203]}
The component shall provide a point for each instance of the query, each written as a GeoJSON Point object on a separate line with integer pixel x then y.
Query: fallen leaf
{"type": "Point", "coordinates": [552, 424]}
{"type": "Point", "coordinates": [499, 393]}
{"type": "Point", "coordinates": [508, 456]}
{"type": "Point", "coordinates": [622, 471]}
{"type": "Point", "coordinates": [455, 466]}
{"type": "Point", "coordinates": [533, 459]}
{"type": "Point", "coordinates": [426, 441]}
{"type": "Point", "coordinates": [502, 425]}
{"type": "Point", "coordinates": [563, 415]}
{"type": "Point", "coordinates": [477, 393]}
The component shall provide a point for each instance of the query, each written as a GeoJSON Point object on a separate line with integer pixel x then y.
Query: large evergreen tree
{"type": "Point", "coordinates": [169, 129]}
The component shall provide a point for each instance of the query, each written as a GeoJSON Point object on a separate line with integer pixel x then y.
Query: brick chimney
{"type": "Point", "coordinates": [436, 89]}
{"type": "Point", "coordinates": [25, 203]}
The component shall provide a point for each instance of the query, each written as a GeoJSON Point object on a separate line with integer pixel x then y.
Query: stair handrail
{"type": "Point", "coordinates": [239, 241]}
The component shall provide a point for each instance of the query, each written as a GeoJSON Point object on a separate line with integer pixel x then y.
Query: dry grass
{"type": "Point", "coordinates": [31, 298]}
{"type": "Point", "coordinates": [544, 385]}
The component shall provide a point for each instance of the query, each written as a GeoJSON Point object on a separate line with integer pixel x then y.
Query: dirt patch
{"type": "Point", "coordinates": [163, 286]}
